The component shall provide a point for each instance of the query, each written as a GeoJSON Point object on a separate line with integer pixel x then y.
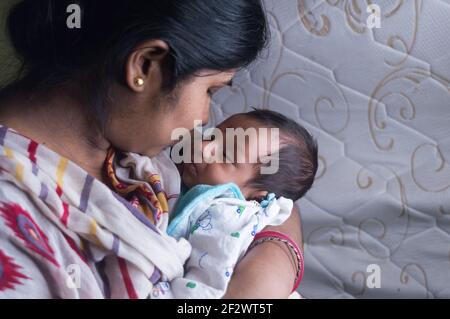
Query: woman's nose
{"type": "Point", "coordinates": [205, 119]}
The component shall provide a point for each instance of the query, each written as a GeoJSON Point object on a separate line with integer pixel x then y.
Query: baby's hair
{"type": "Point", "coordinates": [297, 157]}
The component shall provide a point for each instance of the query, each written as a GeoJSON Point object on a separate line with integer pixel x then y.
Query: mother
{"type": "Point", "coordinates": [132, 73]}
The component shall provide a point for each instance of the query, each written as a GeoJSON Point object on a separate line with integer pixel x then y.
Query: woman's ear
{"type": "Point", "coordinates": [145, 65]}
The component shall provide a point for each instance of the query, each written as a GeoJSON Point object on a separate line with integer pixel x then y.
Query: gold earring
{"type": "Point", "coordinates": [139, 81]}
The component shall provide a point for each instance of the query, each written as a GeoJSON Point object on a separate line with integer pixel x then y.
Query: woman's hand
{"type": "Point", "coordinates": [268, 270]}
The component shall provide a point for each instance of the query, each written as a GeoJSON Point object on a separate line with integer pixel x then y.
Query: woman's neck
{"type": "Point", "coordinates": [59, 123]}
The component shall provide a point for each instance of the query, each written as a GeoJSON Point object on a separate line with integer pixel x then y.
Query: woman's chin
{"type": "Point", "coordinates": [152, 152]}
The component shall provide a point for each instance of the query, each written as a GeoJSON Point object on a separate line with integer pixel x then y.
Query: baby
{"type": "Point", "coordinates": [225, 204]}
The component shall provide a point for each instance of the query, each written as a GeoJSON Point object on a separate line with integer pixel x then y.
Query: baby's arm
{"type": "Point", "coordinates": [219, 238]}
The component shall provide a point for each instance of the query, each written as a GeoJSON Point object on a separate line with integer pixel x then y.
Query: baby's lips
{"type": "Point", "coordinates": [190, 167]}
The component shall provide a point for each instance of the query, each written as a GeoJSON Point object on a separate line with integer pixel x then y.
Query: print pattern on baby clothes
{"type": "Point", "coordinates": [240, 210]}
{"type": "Point", "coordinates": [255, 227]}
{"type": "Point", "coordinates": [201, 259]}
{"type": "Point", "coordinates": [203, 222]}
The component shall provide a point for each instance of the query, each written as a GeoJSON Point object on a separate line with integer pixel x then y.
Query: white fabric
{"type": "Point", "coordinates": [377, 100]}
{"type": "Point", "coordinates": [58, 224]}
{"type": "Point", "coordinates": [219, 235]}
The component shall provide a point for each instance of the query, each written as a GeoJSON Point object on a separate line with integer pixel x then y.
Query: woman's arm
{"type": "Point", "coordinates": [268, 270]}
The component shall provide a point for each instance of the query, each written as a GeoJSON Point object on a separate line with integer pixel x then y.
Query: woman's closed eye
{"type": "Point", "coordinates": [211, 91]}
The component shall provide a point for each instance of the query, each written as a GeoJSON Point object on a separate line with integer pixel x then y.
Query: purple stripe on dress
{"type": "Point", "coordinates": [157, 188]}
{"type": "Point", "coordinates": [34, 169]}
{"type": "Point", "coordinates": [136, 213]}
{"type": "Point", "coordinates": [152, 208]}
{"type": "Point", "coordinates": [3, 130]}
{"type": "Point", "coordinates": [102, 273]}
{"type": "Point", "coordinates": [150, 205]}
{"type": "Point", "coordinates": [87, 251]}
{"type": "Point", "coordinates": [44, 192]}
{"type": "Point", "coordinates": [86, 192]}
{"type": "Point", "coordinates": [154, 278]}
{"type": "Point", "coordinates": [115, 246]}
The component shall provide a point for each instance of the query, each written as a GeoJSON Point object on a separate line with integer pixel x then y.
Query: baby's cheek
{"type": "Point", "coordinates": [212, 175]}
{"type": "Point", "coordinates": [188, 179]}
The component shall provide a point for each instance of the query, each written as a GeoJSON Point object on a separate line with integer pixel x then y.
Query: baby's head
{"type": "Point", "coordinates": [297, 154]}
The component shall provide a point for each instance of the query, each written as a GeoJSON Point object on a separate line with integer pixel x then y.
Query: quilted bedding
{"type": "Point", "coordinates": [378, 102]}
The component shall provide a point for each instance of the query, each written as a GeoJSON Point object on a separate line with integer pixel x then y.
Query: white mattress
{"type": "Point", "coordinates": [378, 102]}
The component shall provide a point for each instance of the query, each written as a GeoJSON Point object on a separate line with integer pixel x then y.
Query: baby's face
{"type": "Point", "coordinates": [230, 170]}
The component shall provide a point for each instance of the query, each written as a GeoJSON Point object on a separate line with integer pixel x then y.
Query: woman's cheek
{"type": "Point", "coordinates": [195, 108]}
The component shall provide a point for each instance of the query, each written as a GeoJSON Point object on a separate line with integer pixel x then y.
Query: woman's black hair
{"type": "Point", "coordinates": [201, 34]}
{"type": "Point", "coordinates": [298, 157]}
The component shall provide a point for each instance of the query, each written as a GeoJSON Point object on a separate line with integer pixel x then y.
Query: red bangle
{"type": "Point", "coordinates": [293, 248]}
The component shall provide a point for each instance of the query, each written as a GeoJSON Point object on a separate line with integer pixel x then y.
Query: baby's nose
{"type": "Point", "coordinates": [209, 149]}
